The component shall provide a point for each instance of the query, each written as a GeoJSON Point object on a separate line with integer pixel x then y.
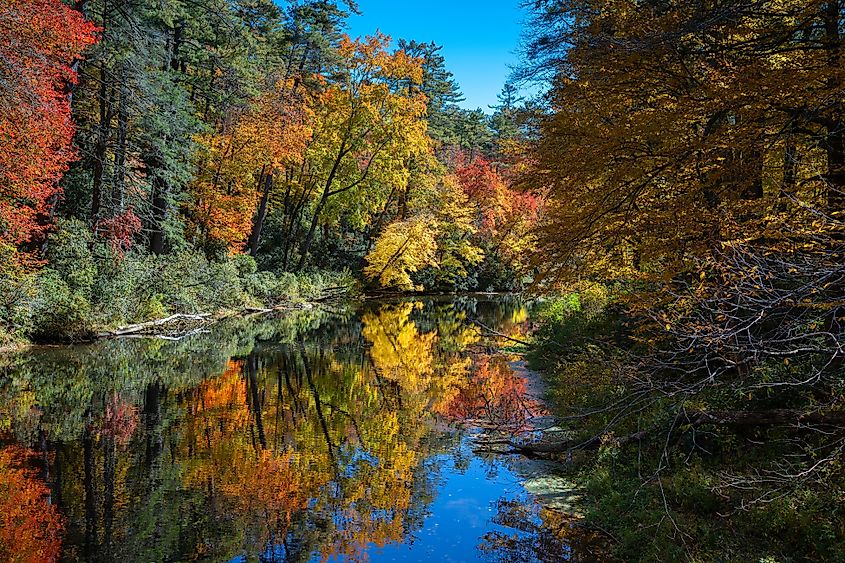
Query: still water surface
{"type": "Point", "coordinates": [314, 436]}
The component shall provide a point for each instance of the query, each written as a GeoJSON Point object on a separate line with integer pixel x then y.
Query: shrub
{"type": "Point", "coordinates": [262, 287]}
{"type": "Point", "coordinates": [59, 311]}
{"type": "Point", "coordinates": [244, 264]}
{"type": "Point", "coordinates": [87, 284]}
{"type": "Point", "coordinates": [69, 255]}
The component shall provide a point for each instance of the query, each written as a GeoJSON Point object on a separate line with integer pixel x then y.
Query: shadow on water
{"type": "Point", "coordinates": [313, 436]}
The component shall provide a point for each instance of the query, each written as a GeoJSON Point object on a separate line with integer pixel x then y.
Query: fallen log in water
{"type": "Point", "coordinates": [141, 328]}
{"type": "Point", "coordinates": [189, 322]}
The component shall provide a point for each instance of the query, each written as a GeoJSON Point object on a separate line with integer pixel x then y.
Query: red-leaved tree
{"type": "Point", "coordinates": [39, 40]}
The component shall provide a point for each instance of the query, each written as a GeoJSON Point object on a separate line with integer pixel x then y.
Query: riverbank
{"type": "Point", "coordinates": [690, 475]}
{"type": "Point", "coordinates": [88, 290]}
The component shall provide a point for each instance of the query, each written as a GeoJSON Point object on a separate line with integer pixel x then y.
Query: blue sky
{"type": "Point", "coordinates": [480, 39]}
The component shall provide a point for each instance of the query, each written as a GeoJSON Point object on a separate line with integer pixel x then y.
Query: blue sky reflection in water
{"type": "Point", "coordinates": [463, 511]}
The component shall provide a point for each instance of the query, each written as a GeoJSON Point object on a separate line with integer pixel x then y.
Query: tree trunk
{"type": "Point", "coordinates": [159, 215]}
{"type": "Point", "coordinates": [101, 146]}
{"type": "Point", "coordinates": [119, 172]}
{"type": "Point", "coordinates": [734, 419]}
{"type": "Point", "coordinates": [89, 489]}
{"type": "Point", "coordinates": [752, 166]}
{"type": "Point", "coordinates": [791, 162]}
{"type": "Point", "coordinates": [261, 215]}
{"type": "Point", "coordinates": [309, 238]}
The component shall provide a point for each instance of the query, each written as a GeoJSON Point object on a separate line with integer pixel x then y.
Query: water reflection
{"type": "Point", "coordinates": [304, 437]}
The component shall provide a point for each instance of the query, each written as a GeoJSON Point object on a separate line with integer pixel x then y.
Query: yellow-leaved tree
{"type": "Point", "coordinates": [369, 124]}
{"type": "Point", "coordinates": [405, 247]}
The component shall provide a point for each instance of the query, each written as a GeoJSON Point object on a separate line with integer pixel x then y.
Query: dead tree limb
{"type": "Point", "coordinates": [143, 327]}
{"type": "Point", "coordinates": [692, 419]}
{"type": "Point", "coordinates": [499, 334]}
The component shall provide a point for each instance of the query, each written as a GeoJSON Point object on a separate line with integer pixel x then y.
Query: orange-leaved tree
{"type": "Point", "coordinates": [239, 161]}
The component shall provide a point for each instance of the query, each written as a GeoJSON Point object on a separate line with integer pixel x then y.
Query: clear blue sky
{"type": "Point", "coordinates": [480, 39]}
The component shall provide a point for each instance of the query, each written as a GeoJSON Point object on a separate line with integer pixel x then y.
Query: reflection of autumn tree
{"type": "Point", "coordinates": [251, 440]}
{"type": "Point", "coordinates": [417, 361]}
{"type": "Point", "coordinates": [496, 394]}
{"type": "Point", "coordinates": [398, 351]}
{"type": "Point", "coordinates": [110, 417]}
{"type": "Point", "coordinates": [302, 438]}
{"type": "Point", "coordinates": [30, 526]}
{"type": "Point", "coordinates": [227, 458]}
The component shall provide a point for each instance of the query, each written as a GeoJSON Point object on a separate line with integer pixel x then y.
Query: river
{"type": "Point", "coordinates": [349, 435]}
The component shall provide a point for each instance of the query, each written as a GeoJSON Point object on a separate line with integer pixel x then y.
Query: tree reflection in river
{"type": "Point", "coordinates": [286, 439]}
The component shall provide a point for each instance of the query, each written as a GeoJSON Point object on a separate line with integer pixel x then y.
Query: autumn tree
{"type": "Point", "coordinates": [687, 135]}
{"type": "Point", "coordinates": [365, 130]}
{"type": "Point", "coordinates": [42, 42]}
{"type": "Point", "coordinates": [239, 164]}
{"type": "Point", "coordinates": [691, 151]}
{"type": "Point", "coordinates": [404, 248]}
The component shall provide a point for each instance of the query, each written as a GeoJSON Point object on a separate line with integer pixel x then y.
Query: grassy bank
{"type": "Point", "coordinates": [682, 490]}
{"type": "Point", "coordinates": [88, 287]}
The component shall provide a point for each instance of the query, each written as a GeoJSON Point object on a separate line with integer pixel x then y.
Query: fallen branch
{"type": "Point", "coordinates": [692, 419]}
{"type": "Point", "coordinates": [142, 327]}
{"type": "Point", "coordinates": [499, 334]}
{"type": "Point", "coordinates": [565, 446]}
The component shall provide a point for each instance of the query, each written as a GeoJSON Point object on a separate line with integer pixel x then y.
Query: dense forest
{"type": "Point", "coordinates": [675, 194]}
{"type": "Point", "coordinates": [182, 156]}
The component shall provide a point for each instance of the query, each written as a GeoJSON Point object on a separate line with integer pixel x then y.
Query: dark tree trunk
{"type": "Point", "coordinates": [309, 238]}
{"type": "Point", "coordinates": [791, 161]}
{"type": "Point", "coordinates": [119, 173]}
{"type": "Point", "coordinates": [102, 143]}
{"type": "Point", "coordinates": [753, 174]}
{"type": "Point", "coordinates": [261, 215]}
{"type": "Point", "coordinates": [108, 495]}
{"type": "Point", "coordinates": [159, 215]}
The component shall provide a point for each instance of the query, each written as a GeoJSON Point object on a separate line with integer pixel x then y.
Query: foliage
{"type": "Point", "coordinates": [88, 286]}
{"type": "Point", "coordinates": [41, 40]}
{"type": "Point", "coordinates": [31, 528]}
{"type": "Point", "coordinates": [252, 145]}
{"type": "Point", "coordinates": [239, 127]}
{"type": "Point", "coordinates": [403, 248]}
{"type": "Point", "coordinates": [697, 164]}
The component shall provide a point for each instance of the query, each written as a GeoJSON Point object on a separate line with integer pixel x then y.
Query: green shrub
{"type": "Point", "coordinates": [16, 296]}
{"type": "Point", "coordinates": [245, 264]}
{"type": "Point", "coordinates": [59, 312]}
{"type": "Point", "coordinates": [152, 308]}
{"type": "Point", "coordinates": [86, 286]}
{"type": "Point", "coordinates": [288, 285]}
{"type": "Point", "coordinates": [69, 255]}
{"type": "Point", "coordinates": [262, 287]}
